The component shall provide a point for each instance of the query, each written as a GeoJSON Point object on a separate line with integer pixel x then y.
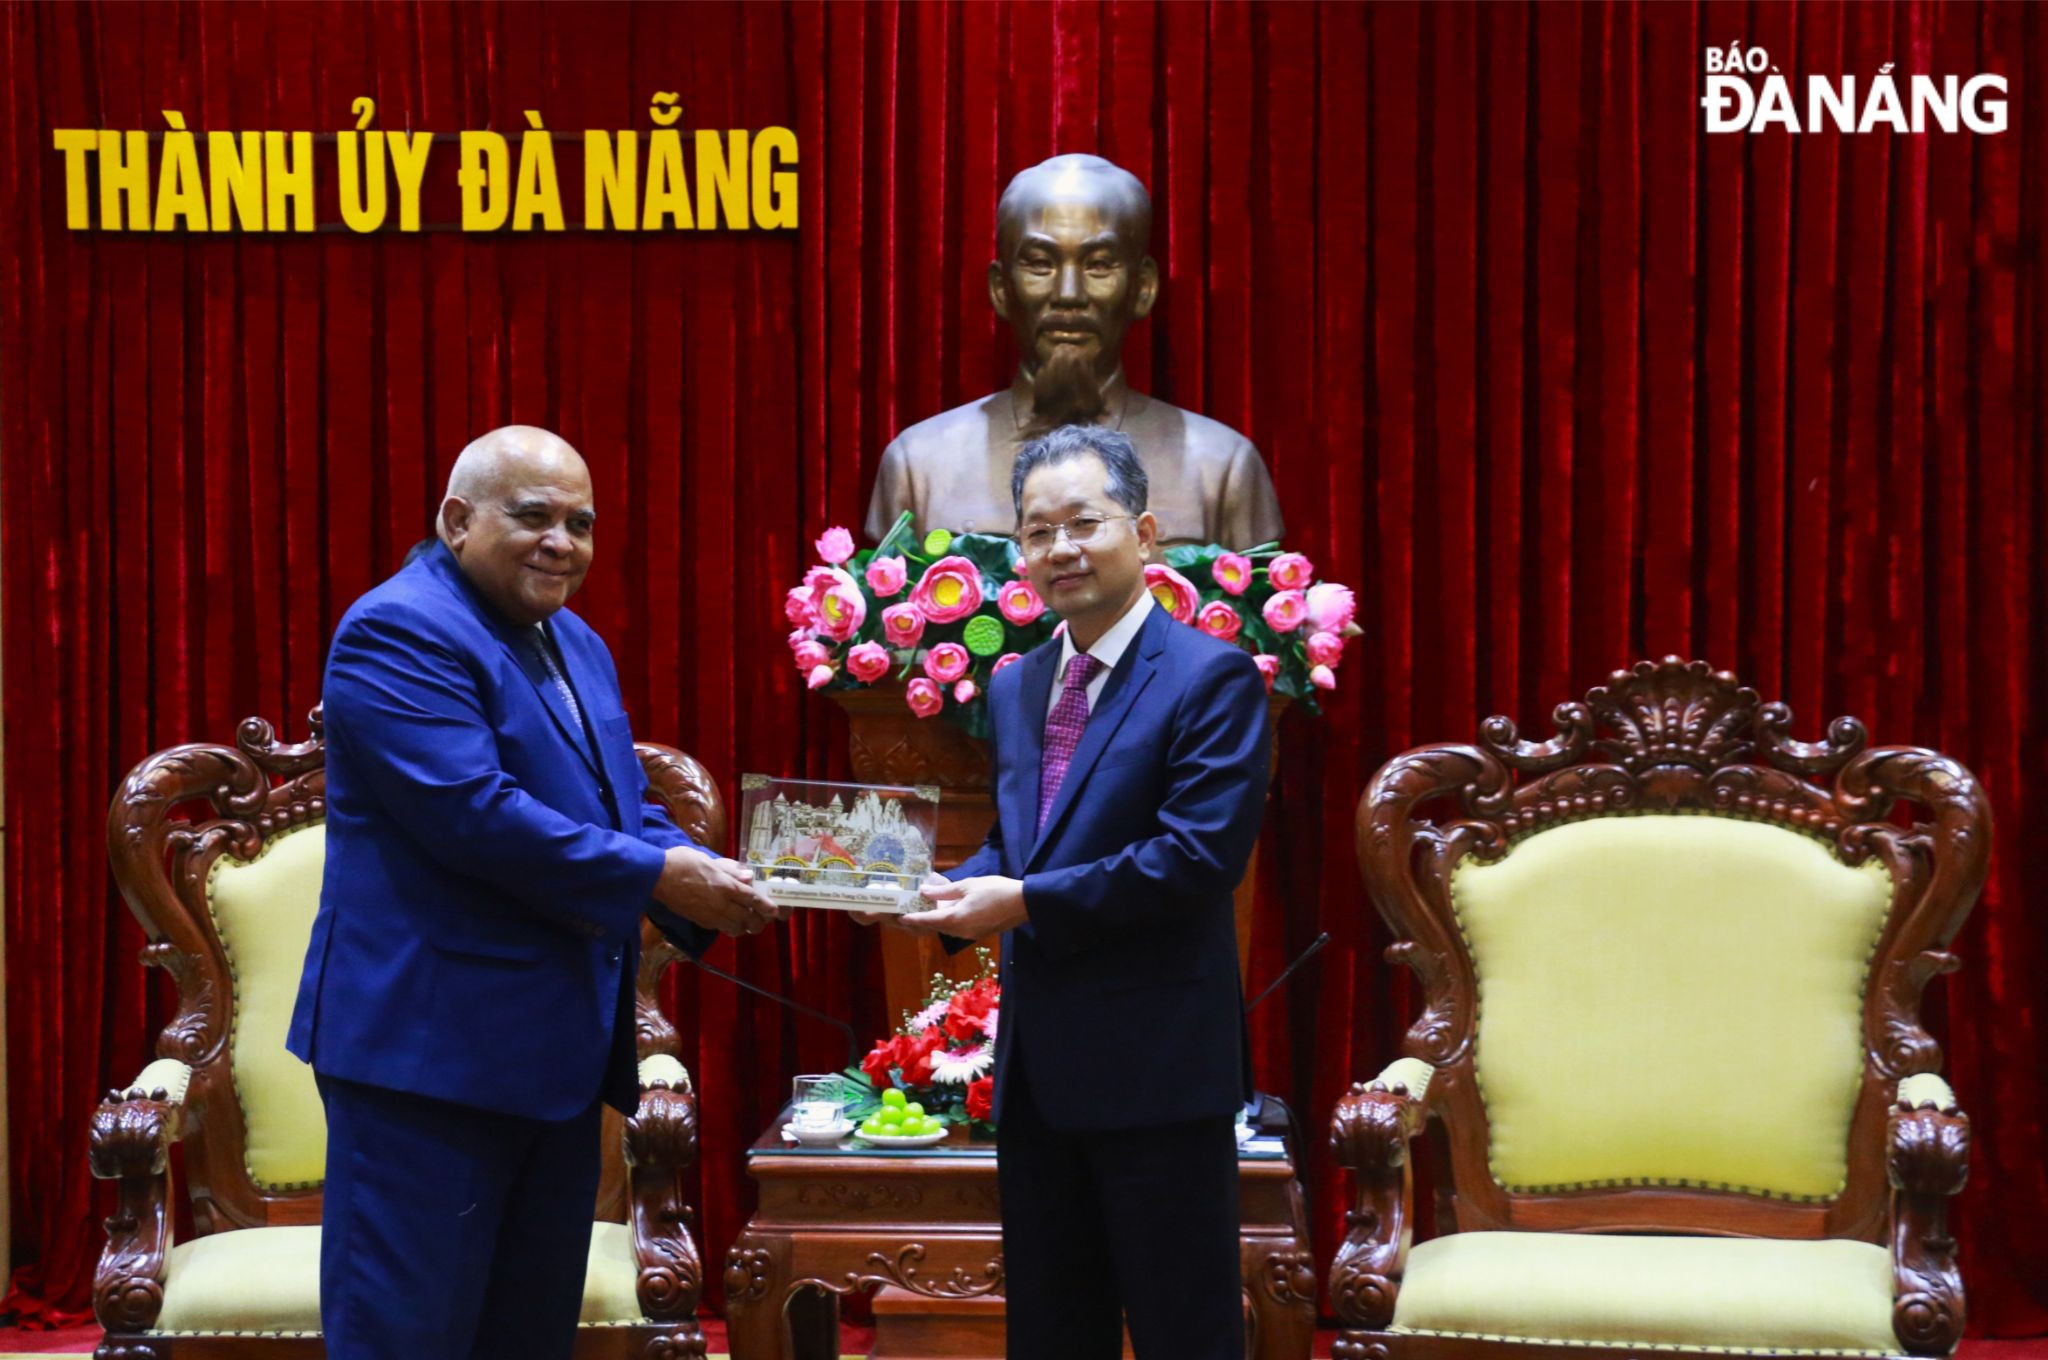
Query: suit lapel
{"type": "Point", "coordinates": [550, 695]}
{"type": "Point", "coordinates": [1126, 683]}
{"type": "Point", "coordinates": [1019, 799]}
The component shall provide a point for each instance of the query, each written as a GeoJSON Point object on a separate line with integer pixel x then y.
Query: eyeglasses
{"type": "Point", "coordinates": [1038, 539]}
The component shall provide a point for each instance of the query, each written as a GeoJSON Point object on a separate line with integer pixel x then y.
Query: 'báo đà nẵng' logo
{"type": "Point", "coordinates": [1746, 93]}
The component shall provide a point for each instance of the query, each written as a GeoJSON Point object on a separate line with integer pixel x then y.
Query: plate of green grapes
{"type": "Point", "coordinates": [901, 1123]}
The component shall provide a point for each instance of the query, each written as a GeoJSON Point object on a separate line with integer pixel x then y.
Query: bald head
{"type": "Point", "coordinates": [1109, 188]}
{"type": "Point", "coordinates": [519, 518]}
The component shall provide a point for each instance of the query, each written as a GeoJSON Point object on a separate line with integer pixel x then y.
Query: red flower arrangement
{"type": "Point", "coordinates": [943, 1056]}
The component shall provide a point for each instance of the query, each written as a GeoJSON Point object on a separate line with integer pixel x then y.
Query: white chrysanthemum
{"type": "Point", "coordinates": [958, 1069]}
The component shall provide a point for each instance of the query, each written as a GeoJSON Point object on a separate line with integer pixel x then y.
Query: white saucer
{"type": "Point", "coordinates": [824, 1137]}
{"type": "Point", "coordinates": [914, 1140]}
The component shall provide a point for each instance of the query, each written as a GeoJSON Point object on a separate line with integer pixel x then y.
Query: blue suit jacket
{"type": "Point", "coordinates": [1121, 996]}
{"type": "Point", "coordinates": [479, 925]}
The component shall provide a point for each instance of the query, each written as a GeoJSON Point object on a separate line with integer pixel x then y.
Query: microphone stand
{"type": "Point", "coordinates": [852, 1039]}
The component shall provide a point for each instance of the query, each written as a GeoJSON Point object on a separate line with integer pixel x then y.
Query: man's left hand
{"type": "Point", "coordinates": [969, 909]}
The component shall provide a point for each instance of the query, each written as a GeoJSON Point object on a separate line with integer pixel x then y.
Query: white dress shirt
{"type": "Point", "coordinates": [1108, 649]}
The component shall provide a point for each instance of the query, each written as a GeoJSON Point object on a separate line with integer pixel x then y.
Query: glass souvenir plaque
{"type": "Point", "coordinates": [857, 847]}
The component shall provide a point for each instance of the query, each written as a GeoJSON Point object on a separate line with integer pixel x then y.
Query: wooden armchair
{"type": "Point", "coordinates": [227, 900]}
{"type": "Point", "coordinates": [1670, 1059]}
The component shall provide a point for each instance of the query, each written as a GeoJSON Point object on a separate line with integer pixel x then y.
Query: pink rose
{"type": "Point", "coordinates": [924, 697]}
{"type": "Point", "coordinates": [820, 677]}
{"type": "Point", "coordinates": [886, 575]}
{"type": "Point", "coordinates": [1330, 607]}
{"type": "Point", "coordinates": [811, 655]}
{"type": "Point", "coordinates": [835, 546]}
{"type": "Point", "coordinates": [1232, 571]}
{"type": "Point", "coordinates": [836, 598]}
{"type": "Point", "coordinates": [1019, 603]}
{"type": "Point", "coordinates": [1322, 677]}
{"type": "Point", "coordinates": [903, 624]}
{"type": "Point", "coordinates": [869, 662]}
{"type": "Point", "coordinates": [1006, 659]}
{"type": "Point", "coordinates": [946, 662]}
{"type": "Point", "coordinates": [1219, 620]}
{"type": "Point", "coordinates": [1325, 649]}
{"type": "Point", "coordinates": [949, 591]}
{"type": "Point", "coordinates": [1176, 595]}
{"type": "Point", "coordinates": [1285, 611]}
{"type": "Point", "coordinates": [1269, 666]}
{"type": "Point", "coordinates": [964, 692]}
{"type": "Point", "coordinates": [1290, 571]}
{"type": "Point", "coordinates": [796, 607]}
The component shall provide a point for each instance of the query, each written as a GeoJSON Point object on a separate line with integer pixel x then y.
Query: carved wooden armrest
{"type": "Point", "coordinates": [1927, 1153]}
{"type": "Point", "coordinates": [661, 1140]}
{"type": "Point", "coordinates": [1370, 1132]}
{"type": "Point", "coordinates": [130, 1142]}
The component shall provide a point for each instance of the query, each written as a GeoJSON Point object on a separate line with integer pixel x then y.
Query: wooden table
{"type": "Point", "coordinates": [837, 1220]}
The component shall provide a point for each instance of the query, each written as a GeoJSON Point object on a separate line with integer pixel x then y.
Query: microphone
{"type": "Point", "coordinates": [852, 1039]}
{"type": "Point", "coordinates": [1299, 959]}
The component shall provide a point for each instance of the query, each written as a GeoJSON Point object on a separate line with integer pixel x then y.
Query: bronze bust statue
{"type": "Point", "coordinates": [1070, 276]}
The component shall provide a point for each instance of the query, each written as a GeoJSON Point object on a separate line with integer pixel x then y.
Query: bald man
{"type": "Point", "coordinates": [467, 1002]}
{"type": "Point", "coordinates": [1071, 276]}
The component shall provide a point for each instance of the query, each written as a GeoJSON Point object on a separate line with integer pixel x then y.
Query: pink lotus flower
{"type": "Point", "coordinates": [903, 624]}
{"type": "Point", "coordinates": [810, 655]}
{"type": "Point", "coordinates": [798, 637]}
{"type": "Point", "coordinates": [1175, 593]}
{"type": "Point", "coordinates": [1322, 677]}
{"type": "Point", "coordinates": [886, 576]}
{"type": "Point", "coordinates": [924, 697]}
{"type": "Point", "coordinates": [1006, 659]}
{"type": "Point", "coordinates": [868, 662]}
{"type": "Point", "coordinates": [1232, 571]}
{"type": "Point", "coordinates": [947, 662]}
{"type": "Point", "coordinates": [835, 546]}
{"type": "Point", "coordinates": [837, 601]}
{"type": "Point", "coordinates": [796, 607]}
{"type": "Point", "coordinates": [1019, 603]}
{"type": "Point", "coordinates": [1269, 666]}
{"type": "Point", "coordinates": [949, 591]}
{"type": "Point", "coordinates": [1325, 649]}
{"type": "Point", "coordinates": [1285, 611]}
{"type": "Point", "coordinates": [964, 692]}
{"type": "Point", "coordinates": [1331, 607]}
{"type": "Point", "coordinates": [820, 677]}
{"type": "Point", "coordinates": [1219, 620]}
{"type": "Point", "coordinates": [1019, 567]}
{"type": "Point", "coordinates": [1290, 571]}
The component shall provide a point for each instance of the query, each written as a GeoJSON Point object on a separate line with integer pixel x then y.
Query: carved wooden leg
{"type": "Point", "coordinates": [685, 1342]}
{"type": "Point", "coordinates": [1280, 1280]}
{"type": "Point", "coordinates": [756, 1286]}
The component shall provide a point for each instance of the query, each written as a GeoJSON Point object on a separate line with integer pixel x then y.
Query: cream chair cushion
{"type": "Point", "coordinates": [1671, 999]}
{"type": "Point", "coordinates": [263, 909]}
{"type": "Point", "coordinates": [1707, 1292]}
{"type": "Point", "coordinates": [268, 1280]}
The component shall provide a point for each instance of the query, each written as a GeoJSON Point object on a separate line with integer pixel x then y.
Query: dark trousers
{"type": "Point", "coordinates": [451, 1232]}
{"type": "Point", "coordinates": [1100, 1228]}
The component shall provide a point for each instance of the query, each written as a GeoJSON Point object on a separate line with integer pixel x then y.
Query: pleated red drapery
{"type": "Point", "coordinates": [1556, 379]}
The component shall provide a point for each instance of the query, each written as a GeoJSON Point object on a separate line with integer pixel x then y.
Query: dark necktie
{"type": "Point", "coordinates": [1063, 728]}
{"type": "Point", "coordinates": [547, 661]}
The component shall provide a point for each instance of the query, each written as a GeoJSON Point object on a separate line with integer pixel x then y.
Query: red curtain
{"type": "Point", "coordinates": [1557, 380]}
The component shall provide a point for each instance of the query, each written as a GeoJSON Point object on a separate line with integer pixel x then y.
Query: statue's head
{"type": "Point", "coordinates": [1071, 274]}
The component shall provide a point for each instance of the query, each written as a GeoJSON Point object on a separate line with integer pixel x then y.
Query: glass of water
{"type": "Point", "coordinates": [815, 1106]}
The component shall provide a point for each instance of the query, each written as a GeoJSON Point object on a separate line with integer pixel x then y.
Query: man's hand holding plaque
{"type": "Point", "coordinates": [719, 894]}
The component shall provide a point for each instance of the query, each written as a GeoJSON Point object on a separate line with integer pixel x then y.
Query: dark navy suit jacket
{"type": "Point", "coordinates": [479, 924]}
{"type": "Point", "coordinates": [1121, 996]}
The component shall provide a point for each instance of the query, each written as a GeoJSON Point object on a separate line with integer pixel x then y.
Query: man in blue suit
{"type": "Point", "coordinates": [467, 1002]}
{"type": "Point", "coordinates": [1130, 778]}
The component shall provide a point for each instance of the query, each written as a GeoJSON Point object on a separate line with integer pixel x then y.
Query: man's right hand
{"type": "Point", "coordinates": [715, 893]}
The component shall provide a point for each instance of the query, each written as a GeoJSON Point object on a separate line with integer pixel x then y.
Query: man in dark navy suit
{"type": "Point", "coordinates": [1130, 769]}
{"type": "Point", "coordinates": [467, 1002]}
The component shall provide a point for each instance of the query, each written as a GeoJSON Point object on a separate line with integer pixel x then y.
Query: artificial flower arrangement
{"type": "Point", "coordinates": [942, 1057]}
{"type": "Point", "coordinates": [947, 612]}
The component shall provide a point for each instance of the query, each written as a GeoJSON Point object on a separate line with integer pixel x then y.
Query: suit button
{"type": "Point", "coordinates": [613, 959]}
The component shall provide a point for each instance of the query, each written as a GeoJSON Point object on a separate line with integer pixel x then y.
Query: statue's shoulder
{"type": "Point", "coordinates": [942, 435]}
{"type": "Point", "coordinates": [1204, 439]}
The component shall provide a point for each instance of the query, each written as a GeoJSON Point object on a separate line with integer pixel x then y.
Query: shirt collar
{"type": "Point", "coordinates": [1111, 646]}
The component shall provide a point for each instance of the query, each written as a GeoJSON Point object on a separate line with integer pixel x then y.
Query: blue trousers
{"type": "Point", "coordinates": [450, 1232]}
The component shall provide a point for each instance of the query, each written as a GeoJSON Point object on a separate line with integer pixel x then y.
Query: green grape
{"type": "Point", "coordinates": [983, 636]}
{"type": "Point", "coordinates": [893, 1097]}
{"type": "Point", "coordinates": [913, 1111]}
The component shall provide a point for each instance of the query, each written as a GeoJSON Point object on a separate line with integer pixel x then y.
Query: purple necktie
{"type": "Point", "coordinates": [1063, 731]}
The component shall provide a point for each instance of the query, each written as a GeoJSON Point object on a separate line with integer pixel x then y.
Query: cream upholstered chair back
{"type": "Point", "coordinates": [1671, 958]}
